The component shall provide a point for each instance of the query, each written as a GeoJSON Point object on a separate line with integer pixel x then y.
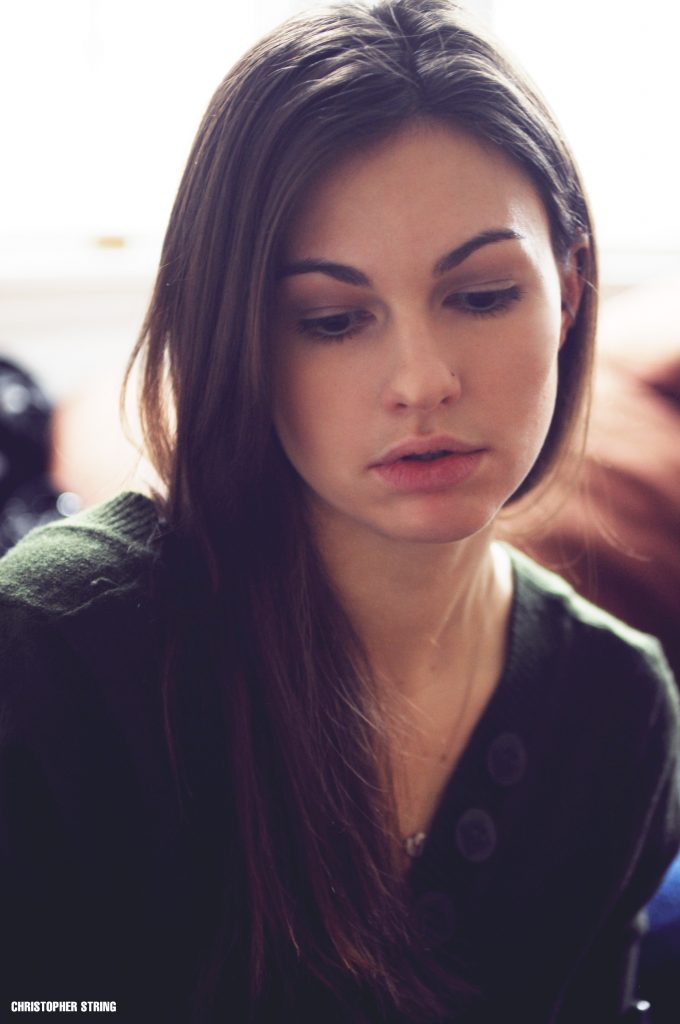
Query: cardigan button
{"type": "Point", "coordinates": [507, 759]}
{"type": "Point", "coordinates": [435, 918]}
{"type": "Point", "coordinates": [476, 835]}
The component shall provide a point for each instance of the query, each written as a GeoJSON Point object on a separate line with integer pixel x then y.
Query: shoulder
{"type": "Point", "coordinates": [77, 596]}
{"type": "Point", "coordinates": [609, 669]}
{"type": "Point", "coordinates": [79, 628]}
{"type": "Point", "coordinates": [57, 569]}
{"type": "Point", "coordinates": [551, 605]}
{"type": "Point", "coordinates": [599, 706]}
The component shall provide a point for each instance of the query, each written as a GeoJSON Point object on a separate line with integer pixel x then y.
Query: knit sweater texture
{"type": "Point", "coordinates": [553, 833]}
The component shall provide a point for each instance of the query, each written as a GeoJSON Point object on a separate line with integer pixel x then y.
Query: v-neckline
{"type": "Point", "coordinates": [502, 707]}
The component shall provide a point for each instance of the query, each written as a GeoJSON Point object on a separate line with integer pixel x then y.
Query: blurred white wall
{"type": "Point", "coordinates": [101, 99]}
{"type": "Point", "coordinates": [610, 69]}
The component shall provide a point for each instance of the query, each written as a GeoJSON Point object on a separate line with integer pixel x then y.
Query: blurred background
{"type": "Point", "coordinates": [101, 99]}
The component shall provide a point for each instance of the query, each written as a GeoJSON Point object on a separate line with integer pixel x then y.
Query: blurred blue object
{"type": "Point", "coordinates": [659, 978]}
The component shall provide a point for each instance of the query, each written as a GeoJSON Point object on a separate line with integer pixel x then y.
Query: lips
{"type": "Point", "coordinates": [423, 449]}
{"type": "Point", "coordinates": [428, 456]}
{"type": "Point", "coordinates": [424, 465]}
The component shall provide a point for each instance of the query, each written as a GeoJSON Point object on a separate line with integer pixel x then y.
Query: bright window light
{"type": "Point", "coordinates": [102, 99]}
{"type": "Point", "coordinates": [609, 69]}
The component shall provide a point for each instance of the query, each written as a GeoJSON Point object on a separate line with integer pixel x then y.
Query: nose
{"type": "Point", "coordinates": [421, 375]}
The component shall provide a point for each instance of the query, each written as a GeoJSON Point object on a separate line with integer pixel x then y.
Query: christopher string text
{"type": "Point", "coordinates": [62, 1006]}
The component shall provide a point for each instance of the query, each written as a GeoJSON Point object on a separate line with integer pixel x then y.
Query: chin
{"type": "Point", "coordinates": [439, 529]}
{"type": "Point", "coordinates": [427, 519]}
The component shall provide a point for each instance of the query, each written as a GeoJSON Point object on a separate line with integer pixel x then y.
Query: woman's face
{"type": "Point", "coordinates": [418, 322]}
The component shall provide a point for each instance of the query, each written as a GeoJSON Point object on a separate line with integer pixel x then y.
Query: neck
{"type": "Point", "coordinates": [417, 607]}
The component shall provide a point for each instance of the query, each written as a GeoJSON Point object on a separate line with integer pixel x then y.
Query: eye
{"type": "Point", "coordinates": [484, 301]}
{"type": "Point", "coordinates": [335, 326]}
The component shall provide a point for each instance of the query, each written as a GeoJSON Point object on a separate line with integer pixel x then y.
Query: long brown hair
{"type": "Point", "coordinates": [313, 875]}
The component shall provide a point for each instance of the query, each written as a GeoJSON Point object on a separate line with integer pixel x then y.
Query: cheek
{"type": "Point", "coordinates": [539, 394]}
{"type": "Point", "coordinates": [526, 376]}
{"type": "Point", "coordinates": [289, 411]}
{"type": "Point", "coordinates": [305, 396]}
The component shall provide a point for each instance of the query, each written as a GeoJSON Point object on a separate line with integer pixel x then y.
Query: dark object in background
{"type": "Point", "coordinates": [27, 497]}
{"type": "Point", "coordinates": [24, 429]}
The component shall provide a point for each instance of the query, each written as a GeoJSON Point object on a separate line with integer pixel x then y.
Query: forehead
{"type": "Point", "coordinates": [428, 188]}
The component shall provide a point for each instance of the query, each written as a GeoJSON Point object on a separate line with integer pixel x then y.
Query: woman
{"type": "Point", "coordinates": [295, 740]}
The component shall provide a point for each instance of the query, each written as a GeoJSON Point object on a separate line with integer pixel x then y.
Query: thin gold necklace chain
{"type": "Point", "coordinates": [414, 844]}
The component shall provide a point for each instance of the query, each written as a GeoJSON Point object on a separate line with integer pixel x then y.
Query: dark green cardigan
{"type": "Point", "coordinates": [554, 832]}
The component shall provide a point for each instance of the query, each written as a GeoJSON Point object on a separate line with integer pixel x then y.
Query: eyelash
{"type": "Point", "coordinates": [504, 298]}
{"type": "Point", "coordinates": [313, 327]}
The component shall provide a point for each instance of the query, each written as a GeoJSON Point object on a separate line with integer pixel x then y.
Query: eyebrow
{"type": "Point", "coordinates": [350, 275]}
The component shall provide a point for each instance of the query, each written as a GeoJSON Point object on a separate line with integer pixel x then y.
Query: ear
{"type": "Point", "coordinates": [572, 282]}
